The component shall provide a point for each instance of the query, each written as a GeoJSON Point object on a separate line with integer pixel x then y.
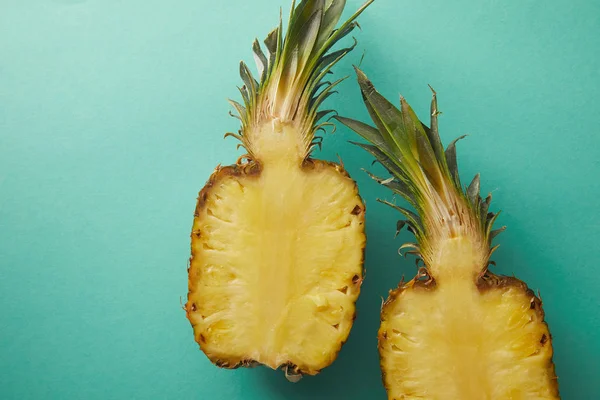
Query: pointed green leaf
{"type": "Point", "coordinates": [496, 232]}
{"type": "Point", "coordinates": [249, 81]}
{"type": "Point", "coordinates": [485, 205]}
{"type": "Point", "coordinates": [261, 60]}
{"type": "Point", "coordinates": [433, 132]}
{"type": "Point", "coordinates": [335, 55]}
{"type": "Point", "coordinates": [382, 110]}
{"type": "Point", "coordinates": [491, 220]}
{"type": "Point", "coordinates": [338, 35]}
{"type": "Point", "coordinates": [473, 190]}
{"type": "Point", "coordinates": [386, 162]}
{"type": "Point", "coordinates": [413, 246]}
{"type": "Point", "coordinates": [322, 114]}
{"type": "Point", "coordinates": [319, 86]}
{"type": "Point", "coordinates": [328, 91]}
{"type": "Point", "coordinates": [493, 249]}
{"type": "Point", "coordinates": [418, 141]}
{"type": "Point", "coordinates": [271, 43]}
{"type": "Point", "coordinates": [367, 132]}
{"type": "Point", "coordinates": [309, 34]}
{"type": "Point", "coordinates": [231, 134]}
{"type": "Point", "coordinates": [413, 218]}
{"type": "Point", "coordinates": [346, 27]}
{"type": "Point", "coordinates": [450, 155]}
{"type": "Point", "coordinates": [245, 96]}
{"type": "Point", "coordinates": [399, 225]}
{"type": "Point", "coordinates": [241, 110]}
{"type": "Point", "coordinates": [332, 16]}
{"type": "Point", "coordinates": [386, 131]}
{"type": "Point", "coordinates": [396, 186]}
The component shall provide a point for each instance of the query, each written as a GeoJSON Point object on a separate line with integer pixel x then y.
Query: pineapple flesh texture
{"type": "Point", "coordinates": [456, 331]}
{"type": "Point", "coordinates": [277, 263]}
{"type": "Point", "coordinates": [277, 241]}
{"type": "Point", "coordinates": [456, 339]}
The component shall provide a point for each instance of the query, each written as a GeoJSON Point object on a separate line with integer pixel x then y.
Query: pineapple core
{"type": "Point", "coordinates": [276, 259]}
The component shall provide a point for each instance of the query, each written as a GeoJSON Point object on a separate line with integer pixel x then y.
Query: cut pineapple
{"type": "Point", "coordinates": [456, 331]}
{"type": "Point", "coordinates": [278, 238]}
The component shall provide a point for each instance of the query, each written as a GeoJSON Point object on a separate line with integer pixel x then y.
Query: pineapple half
{"type": "Point", "coordinates": [277, 242]}
{"type": "Point", "coordinates": [457, 330]}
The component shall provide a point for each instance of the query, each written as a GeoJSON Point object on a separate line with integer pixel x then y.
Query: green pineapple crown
{"type": "Point", "coordinates": [291, 85]}
{"type": "Point", "coordinates": [423, 173]}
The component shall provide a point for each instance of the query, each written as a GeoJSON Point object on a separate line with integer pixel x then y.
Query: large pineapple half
{"type": "Point", "coordinates": [278, 238]}
{"type": "Point", "coordinates": [456, 331]}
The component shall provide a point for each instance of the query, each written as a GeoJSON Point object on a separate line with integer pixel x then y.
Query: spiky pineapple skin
{"type": "Point", "coordinates": [252, 171]}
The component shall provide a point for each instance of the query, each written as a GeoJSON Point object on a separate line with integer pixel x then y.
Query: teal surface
{"type": "Point", "coordinates": [112, 115]}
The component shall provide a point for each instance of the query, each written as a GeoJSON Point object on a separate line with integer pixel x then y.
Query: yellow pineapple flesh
{"type": "Point", "coordinates": [277, 264]}
{"type": "Point", "coordinates": [458, 339]}
{"type": "Point", "coordinates": [456, 331]}
{"type": "Point", "coordinates": [277, 240]}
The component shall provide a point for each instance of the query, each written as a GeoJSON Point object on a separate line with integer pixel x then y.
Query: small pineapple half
{"type": "Point", "coordinates": [277, 241]}
{"type": "Point", "coordinates": [457, 330]}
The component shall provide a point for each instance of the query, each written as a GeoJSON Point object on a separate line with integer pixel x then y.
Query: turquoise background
{"type": "Point", "coordinates": [112, 115]}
